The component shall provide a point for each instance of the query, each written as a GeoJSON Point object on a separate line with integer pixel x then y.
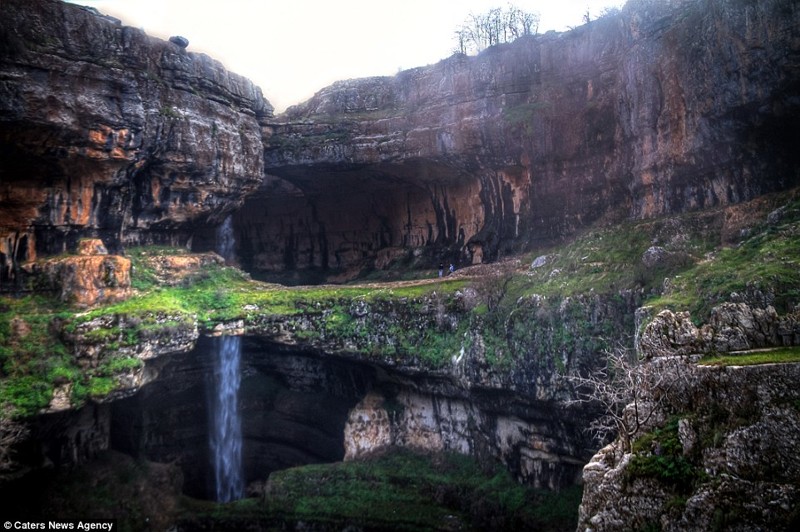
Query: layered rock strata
{"type": "Point", "coordinates": [661, 108]}
{"type": "Point", "coordinates": [91, 277]}
{"type": "Point", "coordinates": [106, 132]}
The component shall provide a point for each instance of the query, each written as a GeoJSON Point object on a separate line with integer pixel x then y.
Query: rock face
{"type": "Point", "coordinates": [90, 278]}
{"type": "Point", "coordinates": [293, 409]}
{"type": "Point", "coordinates": [299, 408]}
{"type": "Point", "coordinates": [718, 450]}
{"type": "Point", "coordinates": [107, 132]}
{"type": "Point", "coordinates": [536, 441]}
{"type": "Point", "coordinates": [731, 327]}
{"type": "Point", "coordinates": [732, 454]}
{"type": "Point", "coordinates": [662, 108]}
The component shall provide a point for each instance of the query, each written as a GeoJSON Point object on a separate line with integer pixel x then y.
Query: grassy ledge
{"type": "Point", "coordinates": [752, 358]}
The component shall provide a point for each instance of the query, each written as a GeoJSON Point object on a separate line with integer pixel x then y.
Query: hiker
{"type": "Point", "coordinates": [452, 268]}
{"type": "Point", "coordinates": [441, 269]}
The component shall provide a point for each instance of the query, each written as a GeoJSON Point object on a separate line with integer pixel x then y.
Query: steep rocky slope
{"type": "Point", "coordinates": [719, 452]}
{"type": "Point", "coordinates": [107, 132]}
{"type": "Point", "coordinates": [662, 108]}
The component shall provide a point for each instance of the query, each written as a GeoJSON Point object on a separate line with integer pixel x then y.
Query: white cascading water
{"type": "Point", "coordinates": [226, 425]}
{"type": "Point", "coordinates": [226, 240]}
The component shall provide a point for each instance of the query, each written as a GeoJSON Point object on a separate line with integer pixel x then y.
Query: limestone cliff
{"type": "Point", "coordinates": [718, 450]}
{"type": "Point", "coordinates": [107, 132]}
{"type": "Point", "coordinates": [662, 108]}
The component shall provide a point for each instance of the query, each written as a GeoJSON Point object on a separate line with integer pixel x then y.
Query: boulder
{"type": "Point", "coordinates": [90, 278]}
{"type": "Point", "coordinates": [183, 42]}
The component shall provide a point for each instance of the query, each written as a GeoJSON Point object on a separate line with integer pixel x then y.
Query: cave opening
{"type": "Point", "coordinates": [336, 224]}
{"type": "Point", "coordinates": [293, 408]}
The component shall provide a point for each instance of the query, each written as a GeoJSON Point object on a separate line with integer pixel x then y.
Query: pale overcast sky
{"type": "Point", "coordinates": [293, 48]}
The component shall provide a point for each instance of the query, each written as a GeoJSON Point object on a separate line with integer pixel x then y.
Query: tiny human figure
{"type": "Point", "coordinates": [441, 269]}
{"type": "Point", "coordinates": [452, 268]}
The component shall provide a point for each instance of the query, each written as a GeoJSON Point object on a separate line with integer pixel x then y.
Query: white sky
{"type": "Point", "coordinates": [293, 48]}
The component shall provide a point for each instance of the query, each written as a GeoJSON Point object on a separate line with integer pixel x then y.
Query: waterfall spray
{"type": "Point", "coordinates": [226, 425]}
{"type": "Point", "coordinates": [226, 240]}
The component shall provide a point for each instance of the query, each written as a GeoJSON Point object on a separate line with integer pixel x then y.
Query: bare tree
{"type": "Point", "coordinates": [493, 27]}
{"type": "Point", "coordinates": [628, 391]}
{"type": "Point", "coordinates": [462, 36]}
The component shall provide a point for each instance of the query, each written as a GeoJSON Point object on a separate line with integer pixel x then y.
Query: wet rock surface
{"type": "Point", "coordinates": [107, 132]}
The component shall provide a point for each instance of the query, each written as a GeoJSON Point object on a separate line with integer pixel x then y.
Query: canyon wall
{"type": "Point", "coordinates": [106, 132]}
{"type": "Point", "coordinates": [661, 108]}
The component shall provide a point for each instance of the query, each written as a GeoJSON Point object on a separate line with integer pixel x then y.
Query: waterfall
{"type": "Point", "coordinates": [226, 240]}
{"type": "Point", "coordinates": [226, 425]}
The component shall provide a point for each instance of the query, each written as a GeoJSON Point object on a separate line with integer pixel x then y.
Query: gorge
{"type": "Point", "coordinates": [630, 184]}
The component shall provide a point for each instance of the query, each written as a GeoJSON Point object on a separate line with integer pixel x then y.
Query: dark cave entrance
{"type": "Point", "coordinates": [293, 405]}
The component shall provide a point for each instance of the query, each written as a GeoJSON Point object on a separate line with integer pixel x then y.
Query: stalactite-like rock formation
{"type": "Point", "coordinates": [106, 132]}
{"type": "Point", "coordinates": [662, 108]}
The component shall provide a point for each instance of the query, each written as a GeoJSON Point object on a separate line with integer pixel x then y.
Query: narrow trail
{"type": "Point", "coordinates": [478, 271]}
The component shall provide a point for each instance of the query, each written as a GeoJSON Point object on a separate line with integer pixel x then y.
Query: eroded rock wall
{"type": "Point", "coordinates": [109, 133]}
{"type": "Point", "coordinates": [734, 466]}
{"type": "Point", "coordinates": [300, 407]}
{"type": "Point", "coordinates": [662, 108]}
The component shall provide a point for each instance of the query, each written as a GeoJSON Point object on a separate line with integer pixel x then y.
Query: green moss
{"type": "Point", "coordinates": [521, 116]}
{"type": "Point", "coordinates": [768, 261]}
{"type": "Point", "coordinates": [659, 454]}
{"type": "Point", "coordinates": [771, 356]}
{"type": "Point", "coordinates": [422, 322]}
{"type": "Point", "coordinates": [33, 357]}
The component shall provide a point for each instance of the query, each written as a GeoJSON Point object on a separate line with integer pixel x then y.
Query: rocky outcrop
{"type": "Point", "coordinates": [720, 456]}
{"type": "Point", "coordinates": [106, 132]}
{"type": "Point", "coordinates": [539, 446]}
{"type": "Point", "coordinates": [715, 447]}
{"type": "Point", "coordinates": [731, 327]}
{"type": "Point", "coordinates": [299, 408]}
{"type": "Point", "coordinates": [92, 277]}
{"type": "Point", "coordinates": [662, 108]}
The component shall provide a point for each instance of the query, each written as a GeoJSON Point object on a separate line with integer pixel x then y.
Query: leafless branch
{"type": "Point", "coordinates": [495, 26]}
{"type": "Point", "coordinates": [628, 392]}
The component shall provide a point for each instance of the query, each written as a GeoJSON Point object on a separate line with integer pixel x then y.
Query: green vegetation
{"type": "Point", "coordinates": [169, 112]}
{"type": "Point", "coordinates": [771, 356]}
{"type": "Point", "coordinates": [609, 260]}
{"type": "Point", "coordinates": [573, 304]}
{"type": "Point", "coordinates": [33, 358]}
{"type": "Point", "coordinates": [402, 489]}
{"type": "Point", "coordinates": [398, 490]}
{"type": "Point", "coordinates": [768, 261]}
{"type": "Point", "coordinates": [701, 272]}
{"type": "Point", "coordinates": [659, 455]}
{"type": "Point", "coordinates": [521, 116]}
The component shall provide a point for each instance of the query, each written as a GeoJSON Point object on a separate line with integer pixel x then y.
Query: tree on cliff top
{"type": "Point", "coordinates": [495, 26]}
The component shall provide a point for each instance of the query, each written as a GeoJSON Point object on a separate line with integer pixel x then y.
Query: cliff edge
{"type": "Point", "coordinates": [107, 132]}
{"type": "Point", "coordinates": [662, 108]}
